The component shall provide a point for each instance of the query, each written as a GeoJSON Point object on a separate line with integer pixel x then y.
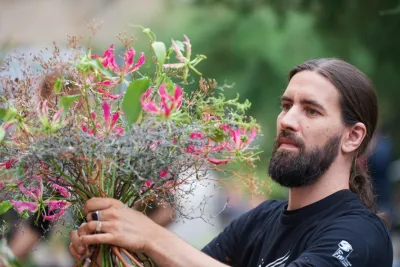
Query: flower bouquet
{"type": "Point", "coordinates": [135, 131]}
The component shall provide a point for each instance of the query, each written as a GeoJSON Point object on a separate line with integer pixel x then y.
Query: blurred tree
{"type": "Point", "coordinates": [254, 43]}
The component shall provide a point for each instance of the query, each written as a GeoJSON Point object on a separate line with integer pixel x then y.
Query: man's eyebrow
{"type": "Point", "coordinates": [312, 103]}
{"type": "Point", "coordinates": [285, 98]}
{"type": "Point", "coordinates": [305, 102]}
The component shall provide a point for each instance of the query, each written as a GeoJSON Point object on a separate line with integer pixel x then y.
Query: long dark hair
{"type": "Point", "coordinates": [358, 102]}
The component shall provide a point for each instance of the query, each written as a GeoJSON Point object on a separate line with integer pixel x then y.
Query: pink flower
{"type": "Point", "coordinates": [8, 164]}
{"type": "Point", "coordinates": [207, 145]}
{"type": "Point", "coordinates": [86, 130]}
{"type": "Point", "coordinates": [108, 61]}
{"type": "Point", "coordinates": [196, 135]}
{"type": "Point", "coordinates": [146, 186]}
{"type": "Point", "coordinates": [204, 149]}
{"type": "Point", "coordinates": [240, 140]}
{"type": "Point", "coordinates": [197, 149]}
{"type": "Point", "coordinates": [168, 103]}
{"type": "Point", "coordinates": [110, 123]}
{"type": "Point", "coordinates": [108, 95]}
{"type": "Point", "coordinates": [42, 111]}
{"type": "Point", "coordinates": [208, 117]}
{"type": "Point", "coordinates": [128, 58]}
{"type": "Point", "coordinates": [188, 47]}
{"type": "Point", "coordinates": [56, 207]}
{"type": "Point", "coordinates": [62, 190]}
{"type": "Point", "coordinates": [108, 83]}
{"type": "Point", "coordinates": [178, 52]}
{"type": "Point", "coordinates": [21, 206]}
{"type": "Point", "coordinates": [148, 183]}
{"type": "Point", "coordinates": [225, 128]}
{"type": "Point", "coordinates": [34, 193]}
{"type": "Point", "coordinates": [7, 125]}
{"type": "Point", "coordinates": [163, 173]}
{"type": "Point", "coordinates": [182, 59]}
{"type": "Point", "coordinates": [218, 161]}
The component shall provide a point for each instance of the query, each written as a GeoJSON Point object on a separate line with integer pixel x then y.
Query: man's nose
{"type": "Point", "coordinates": [290, 120]}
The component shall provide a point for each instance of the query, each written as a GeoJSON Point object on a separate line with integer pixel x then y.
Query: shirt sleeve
{"type": "Point", "coordinates": [349, 242]}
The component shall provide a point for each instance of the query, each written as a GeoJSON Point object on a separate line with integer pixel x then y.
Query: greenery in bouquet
{"type": "Point", "coordinates": [136, 132]}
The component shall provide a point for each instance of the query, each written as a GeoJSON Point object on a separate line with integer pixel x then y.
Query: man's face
{"type": "Point", "coordinates": [310, 130]}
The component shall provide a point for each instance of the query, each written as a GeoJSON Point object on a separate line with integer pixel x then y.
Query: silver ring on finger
{"type": "Point", "coordinates": [98, 227]}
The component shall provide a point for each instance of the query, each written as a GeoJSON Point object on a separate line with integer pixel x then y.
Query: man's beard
{"type": "Point", "coordinates": [301, 168]}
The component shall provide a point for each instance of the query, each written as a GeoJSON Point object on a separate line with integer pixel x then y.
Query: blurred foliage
{"type": "Point", "coordinates": [254, 43]}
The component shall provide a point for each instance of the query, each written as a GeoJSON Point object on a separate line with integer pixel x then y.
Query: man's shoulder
{"type": "Point", "coordinates": [352, 213]}
{"type": "Point", "coordinates": [362, 233]}
{"type": "Point", "coordinates": [363, 221]}
{"type": "Point", "coordinates": [362, 224]}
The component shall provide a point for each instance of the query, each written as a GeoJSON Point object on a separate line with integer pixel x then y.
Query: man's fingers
{"type": "Point", "coordinates": [82, 230]}
{"type": "Point", "coordinates": [77, 257]}
{"type": "Point", "coordinates": [106, 238]}
{"type": "Point", "coordinates": [76, 247]}
{"type": "Point", "coordinates": [92, 227]}
{"type": "Point", "coordinates": [97, 203]}
{"type": "Point", "coordinates": [109, 214]}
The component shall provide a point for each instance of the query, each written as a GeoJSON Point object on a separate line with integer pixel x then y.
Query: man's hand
{"type": "Point", "coordinates": [120, 225]}
{"type": "Point", "coordinates": [129, 229]}
{"type": "Point", "coordinates": [76, 248]}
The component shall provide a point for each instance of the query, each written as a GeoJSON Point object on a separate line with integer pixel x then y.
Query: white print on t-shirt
{"type": "Point", "coordinates": [276, 263]}
{"type": "Point", "coordinates": [343, 252]}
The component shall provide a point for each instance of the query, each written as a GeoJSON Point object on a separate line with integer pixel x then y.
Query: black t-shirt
{"type": "Point", "coordinates": [336, 231]}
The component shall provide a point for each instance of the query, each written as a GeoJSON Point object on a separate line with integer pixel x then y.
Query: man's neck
{"type": "Point", "coordinates": [336, 178]}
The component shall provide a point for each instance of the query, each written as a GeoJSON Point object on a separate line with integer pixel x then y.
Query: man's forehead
{"type": "Point", "coordinates": [309, 85]}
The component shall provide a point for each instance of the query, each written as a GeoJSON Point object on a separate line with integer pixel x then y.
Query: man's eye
{"type": "Point", "coordinates": [312, 112]}
{"type": "Point", "coordinates": [286, 106]}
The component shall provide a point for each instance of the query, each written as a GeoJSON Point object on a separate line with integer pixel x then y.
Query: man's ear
{"type": "Point", "coordinates": [354, 137]}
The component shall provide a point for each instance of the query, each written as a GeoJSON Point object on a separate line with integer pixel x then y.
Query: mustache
{"type": "Point", "coordinates": [290, 136]}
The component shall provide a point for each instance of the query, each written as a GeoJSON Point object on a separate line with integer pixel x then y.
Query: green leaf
{"type": "Point", "coordinates": [24, 215]}
{"type": "Point", "coordinates": [160, 51]}
{"type": "Point", "coordinates": [95, 63]}
{"type": "Point", "coordinates": [217, 135]}
{"type": "Point", "coordinates": [3, 113]}
{"type": "Point", "coordinates": [58, 85]}
{"type": "Point", "coordinates": [131, 102]}
{"type": "Point", "coordinates": [5, 206]}
{"type": "Point", "coordinates": [2, 134]}
{"type": "Point", "coordinates": [11, 113]}
{"type": "Point", "coordinates": [66, 101]}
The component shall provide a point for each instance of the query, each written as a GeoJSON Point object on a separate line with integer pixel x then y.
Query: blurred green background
{"type": "Point", "coordinates": [254, 44]}
{"type": "Point", "coordinates": [250, 43]}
